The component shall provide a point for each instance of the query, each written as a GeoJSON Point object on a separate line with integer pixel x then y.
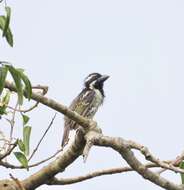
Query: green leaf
{"type": "Point", "coordinates": [8, 35]}
{"type": "Point", "coordinates": [4, 103]}
{"type": "Point", "coordinates": [7, 22]}
{"type": "Point", "coordinates": [3, 74]}
{"type": "Point", "coordinates": [2, 22]}
{"type": "Point", "coordinates": [2, 109]}
{"type": "Point", "coordinates": [6, 98]}
{"type": "Point", "coordinates": [25, 119]}
{"type": "Point", "coordinates": [28, 87]}
{"type": "Point", "coordinates": [17, 79]}
{"type": "Point", "coordinates": [20, 69]}
{"type": "Point", "coordinates": [26, 138]}
{"type": "Point", "coordinates": [22, 159]}
{"type": "Point", "coordinates": [182, 175]}
{"type": "Point", "coordinates": [21, 145]}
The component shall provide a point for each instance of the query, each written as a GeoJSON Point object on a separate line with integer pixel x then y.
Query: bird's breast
{"type": "Point", "coordinates": [95, 103]}
{"type": "Point", "coordinates": [98, 99]}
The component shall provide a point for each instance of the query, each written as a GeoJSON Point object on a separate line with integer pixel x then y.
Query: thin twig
{"type": "Point", "coordinates": [12, 123]}
{"type": "Point", "coordinates": [148, 156]}
{"type": "Point", "coordinates": [44, 91]}
{"type": "Point", "coordinates": [34, 151]}
{"type": "Point", "coordinates": [25, 110]}
{"type": "Point", "coordinates": [8, 151]}
{"type": "Point", "coordinates": [45, 160]}
{"type": "Point", "coordinates": [6, 141]}
{"type": "Point", "coordinates": [174, 162]}
{"type": "Point", "coordinates": [8, 165]}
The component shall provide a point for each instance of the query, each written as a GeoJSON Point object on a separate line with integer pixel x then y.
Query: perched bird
{"type": "Point", "coordinates": [86, 103]}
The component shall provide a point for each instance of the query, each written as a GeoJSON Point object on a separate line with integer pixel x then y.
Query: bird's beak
{"type": "Point", "coordinates": [103, 78]}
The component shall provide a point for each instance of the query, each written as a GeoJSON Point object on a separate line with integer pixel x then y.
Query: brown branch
{"type": "Point", "coordinates": [5, 141]}
{"type": "Point", "coordinates": [41, 87]}
{"type": "Point", "coordinates": [57, 166]}
{"type": "Point", "coordinates": [67, 181]}
{"type": "Point", "coordinates": [174, 162]}
{"type": "Point", "coordinates": [151, 158]}
{"type": "Point", "coordinates": [44, 91]}
{"type": "Point", "coordinates": [120, 145]}
{"type": "Point", "coordinates": [54, 105]}
{"type": "Point", "coordinates": [93, 133]}
{"type": "Point", "coordinates": [8, 151]}
{"type": "Point", "coordinates": [148, 156]}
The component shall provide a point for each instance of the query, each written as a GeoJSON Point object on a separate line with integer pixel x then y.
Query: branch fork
{"type": "Point", "coordinates": [91, 135]}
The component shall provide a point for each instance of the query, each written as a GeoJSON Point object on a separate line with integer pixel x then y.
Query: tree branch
{"type": "Point", "coordinates": [67, 181]}
{"type": "Point", "coordinates": [8, 165]}
{"type": "Point", "coordinates": [148, 156]}
{"type": "Point", "coordinates": [122, 146]}
{"type": "Point", "coordinates": [34, 151]}
{"type": "Point", "coordinates": [54, 105]}
{"type": "Point", "coordinates": [44, 91]}
{"type": "Point", "coordinates": [58, 165]}
{"type": "Point", "coordinates": [2, 156]}
{"type": "Point", "coordinates": [75, 150]}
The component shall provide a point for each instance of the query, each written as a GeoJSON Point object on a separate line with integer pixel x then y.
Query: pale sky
{"type": "Point", "coordinates": [139, 44]}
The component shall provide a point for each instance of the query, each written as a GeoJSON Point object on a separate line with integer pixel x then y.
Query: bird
{"type": "Point", "coordinates": [86, 103]}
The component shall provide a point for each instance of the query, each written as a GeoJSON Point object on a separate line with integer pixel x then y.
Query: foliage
{"type": "Point", "coordinates": [5, 26]}
{"type": "Point", "coordinates": [24, 144]}
{"type": "Point", "coordinates": [23, 88]}
{"type": "Point", "coordinates": [22, 83]}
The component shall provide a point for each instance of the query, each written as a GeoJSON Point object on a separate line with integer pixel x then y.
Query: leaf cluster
{"type": "Point", "coordinates": [5, 26]}
{"type": "Point", "coordinates": [24, 144]}
{"type": "Point", "coordinates": [22, 82]}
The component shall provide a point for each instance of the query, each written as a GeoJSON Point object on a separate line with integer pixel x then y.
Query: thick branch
{"type": "Point", "coordinates": [123, 148]}
{"type": "Point", "coordinates": [54, 105]}
{"type": "Point", "coordinates": [148, 156]}
{"type": "Point", "coordinates": [75, 150]}
{"type": "Point", "coordinates": [67, 181]}
{"type": "Point", "coordinates": [59, 165]}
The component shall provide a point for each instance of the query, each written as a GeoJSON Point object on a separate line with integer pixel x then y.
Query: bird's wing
{"type": "Point", "coordinates": [80, 105]}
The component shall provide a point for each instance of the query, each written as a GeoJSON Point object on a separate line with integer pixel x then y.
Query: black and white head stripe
{"type": "Point", "coordinates": [91, 78]}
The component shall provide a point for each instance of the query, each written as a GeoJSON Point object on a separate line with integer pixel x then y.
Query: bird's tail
{"type": "Point", "coordinates": [65, 136]}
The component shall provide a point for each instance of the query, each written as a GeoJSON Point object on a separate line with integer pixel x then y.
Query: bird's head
{"type": "Point", "coordinates": [95, 81]}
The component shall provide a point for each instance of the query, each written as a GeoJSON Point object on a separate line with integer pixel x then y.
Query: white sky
{"type": "Point", "coordinates": [139, 44]}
